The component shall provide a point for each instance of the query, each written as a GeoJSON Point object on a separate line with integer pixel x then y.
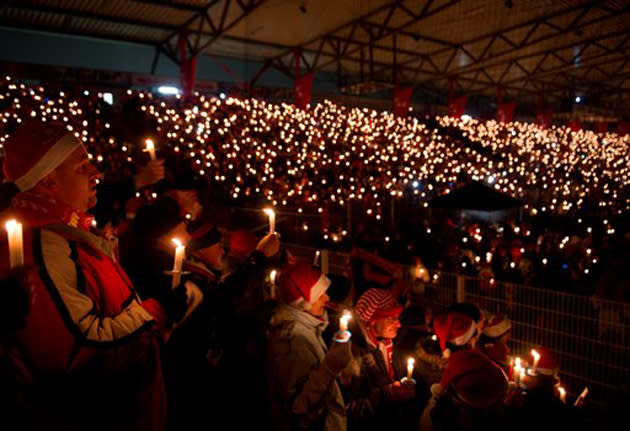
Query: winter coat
{"type": "Point", "coordinates": [368, 405]}
{"type": "Point", "coordinates": [303, 394]}
{"type": "Point", "coordinates": [91, 344]}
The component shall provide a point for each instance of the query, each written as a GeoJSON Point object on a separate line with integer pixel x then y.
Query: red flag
{"type": "Point", "coordinates": [543, 118]}
{"type": "Point", "coordinates": [505, 112]}
{"type": "Point", "coordinates": [601, 127]}
{"type": "Point", "coordinates": [457, 106]}
{"type": "Point", "coordinates": [575, 125]}
{"type": "Point", "coordinates": [402, 96]}
{"type": "Point", "coordinates": [623, 127]}
{"type": "Point", "coordinates": [303, 87]}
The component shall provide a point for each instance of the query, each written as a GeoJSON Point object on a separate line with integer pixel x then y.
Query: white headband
{"type": "Point", "coordinates": [48, 162]}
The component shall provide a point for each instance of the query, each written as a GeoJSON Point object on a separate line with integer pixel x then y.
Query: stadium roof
{"type": "Point", "coordinates": [558, 48]}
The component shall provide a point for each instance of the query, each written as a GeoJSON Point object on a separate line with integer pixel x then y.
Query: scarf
{"type": "Point", "coordinates": [386, 347]}
{"type": "Point", "coordinates": [40, 210]}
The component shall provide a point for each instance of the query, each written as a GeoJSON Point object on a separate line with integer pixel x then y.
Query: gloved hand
{"type": "Point", "coordinates": [175, 303]}
{"type": "Point", "coordinates": [338, 357]}
{"type": "Point", "coordinates": [397, 393]}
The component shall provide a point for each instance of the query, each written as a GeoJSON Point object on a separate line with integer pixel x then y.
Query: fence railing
{"type": "Point", "coordinates": [590, 336]}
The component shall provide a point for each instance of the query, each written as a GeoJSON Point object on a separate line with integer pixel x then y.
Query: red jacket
{"type": "Point", "coordinates": [91, 344]}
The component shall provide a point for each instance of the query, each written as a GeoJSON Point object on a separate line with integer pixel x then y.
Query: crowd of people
{"type": "Point", "coordinates": [100, 328]}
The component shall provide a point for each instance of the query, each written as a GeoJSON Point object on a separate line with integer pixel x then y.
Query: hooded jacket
{"type": "Point", "coordinates": [303, 394]}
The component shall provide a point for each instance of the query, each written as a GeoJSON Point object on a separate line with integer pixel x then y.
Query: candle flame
{"type": "Point", "coordinates": [536, 355]}
{"type": "Point", "coordinates": [149, 144]}
{"type": "Point", "coordinates": [269, 211]}
{"type": "Point", "coordinates": [562, 391]}
{"type": "Point", "coordinates": [346, 317]}
{"type": "Point", "coordinates": [272, 276]}
{"type": "Point", "coordinates": [11, 225]}
{"type": "Point", "coordinates": [411, 362]}
{"type": "Point", "coordinates": [177, 242]}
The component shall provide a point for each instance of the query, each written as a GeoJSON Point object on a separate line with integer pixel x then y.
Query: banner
{"type": "Point", "coordinates": [303, 88]}
{"type": "Point", "coordinates": [575, 125]}
{"type": "Point", "coordinates": [543, 118]}
{"type": "Point", "coordinates": [402, 96]}
{"type": "Point", "coordinates": [601, 127]}
{"type": "Point", "coordinates": [505, 112]}
{"type": "Point", "coordinates": [457, 106]}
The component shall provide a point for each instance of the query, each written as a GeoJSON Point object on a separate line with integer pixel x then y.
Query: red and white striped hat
{"type": "Point", "coordinates": [301, 285]}
{"type": "Point", "coordinates": [377, 304]}
{"type": "Point", "coordinates": [497, 326]}
{"type": "Point", "coordinates": [36, 149]}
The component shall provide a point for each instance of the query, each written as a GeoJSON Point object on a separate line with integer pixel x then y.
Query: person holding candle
{"type": "Point", "coordinates": [469, 396]}
{"type": "Point", "coordinates": [302, 372]}
{"type": "Point", "coordinates": [455, 331]}
{"type": "Point", "coordinates": [375, 397]}
{"type": "Point", "coordinates": [90, 339]}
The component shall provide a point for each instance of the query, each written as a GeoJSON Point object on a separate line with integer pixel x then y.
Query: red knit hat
{"type": "Point", "coordinates": [455, 328]}
{"type": "Point", "coordinates": [242, 242]}
{"type": "Point", "coordinates": [36, 149]}
{"type": "Point", "coordinates": [377, 304]}
{"type": "Point", "coordinates": [300, 284]}
{"type": "Point", "coordinates": [497, 326]}
{"type": "Point", "coordinates": [475, 379]}
{"type": "Point", "coordinates": [547, 364]}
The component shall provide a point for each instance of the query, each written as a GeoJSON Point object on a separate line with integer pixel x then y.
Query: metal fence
{"type": "Point", "coordinates": [590, 336]}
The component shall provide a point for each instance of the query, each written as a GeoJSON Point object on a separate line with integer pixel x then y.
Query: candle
{"type": "Point", "coordinates": [150, 148]}
{"type": "Point", "coordinates": [563, 394]}
{"type": "Point", "coordinates": [410, 363]}
{"type": "Point", "coordinates": [272, 283]}
{"type": "Point", "coordinates": [16, 250]}
{"type": "Point", "coordinates": [343, 321]}
{"type": "Point", "coordinates": [521, 375]}
{"type": "Point", "coordinates": [316, 258]}
{"type": "Point", "coordinates": [580, 400]}
{"type": "Point", "coordinates": [180, 252]}
{"type": "Point", "coordinates": [517, 370]}
{"type": "Point", "coordinates": [536, 356]}
{"type": "Point", "coordinates": [272, 219]}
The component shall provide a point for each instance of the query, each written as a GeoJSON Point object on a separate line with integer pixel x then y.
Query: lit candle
{"type": "Point", "coordinates": [563, 394]}
{"type": "Point", "coordinates": [517, 370]}
{"type": "Point", "coordinates": [150, 148]}
{"type": "Point", "coordinates": [343, 321]}
{"type": "Point", "coordinates": [580, 400]}
{"type": "Point", "coordinates": [272, 283]}
{"type": "Point", "coordinates": [180, 253]}
{"type": "Point", "coordinates": [316, 258]}
{"type": "Point", "coordinates": [16, 250]}
{"type": "Point", "coordinates": [272, 219]}
{"type": "Point", "coordinates": [410, 363]}
{"type": "Point", "coordinates": [536, 356]}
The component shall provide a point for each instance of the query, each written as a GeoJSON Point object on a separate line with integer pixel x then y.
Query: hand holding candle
{"type": "Point", "coordinates": [150, 148]}
{"type": "Point", "coordinates": [272, 219]}
{"type": "Point", "coordinates": [180, 253]}
{"type": "Point", "coordinates": [409, 379]}
{"type": "Point", "coordinates": [16, 249]}
{"type": "Point", "coordinates": [343, 334]}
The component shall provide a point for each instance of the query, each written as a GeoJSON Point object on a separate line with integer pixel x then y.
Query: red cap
{"type": "Point", "coordinates": [36, 149]}
{"type": "Point", "coordinates": [377, 304]}
{"type": "Point", "coordinates": [301, 284]}
{"type": "Point", "coordinates": [475, 379]}
{"type": "Point", "coordinates": [455, 327]}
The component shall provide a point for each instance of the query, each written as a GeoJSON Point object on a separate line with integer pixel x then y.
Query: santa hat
{"type": "Point", "coordinates": [474, 379]}
{"type": "Point", "coordinates": [242, 243]}
{"type": "Point", "coordinates": [36, 149]}
{"type": "Point", "coordinates": [547, 364]}
{"type": "Point", "coordinates": [454, 328]}
{"type": "Point", "coordinates": [301, 285]}
{"type": "Point", "coordinates": [377, 304]}
{"type": "Point", "coordinates": [497, 326]}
